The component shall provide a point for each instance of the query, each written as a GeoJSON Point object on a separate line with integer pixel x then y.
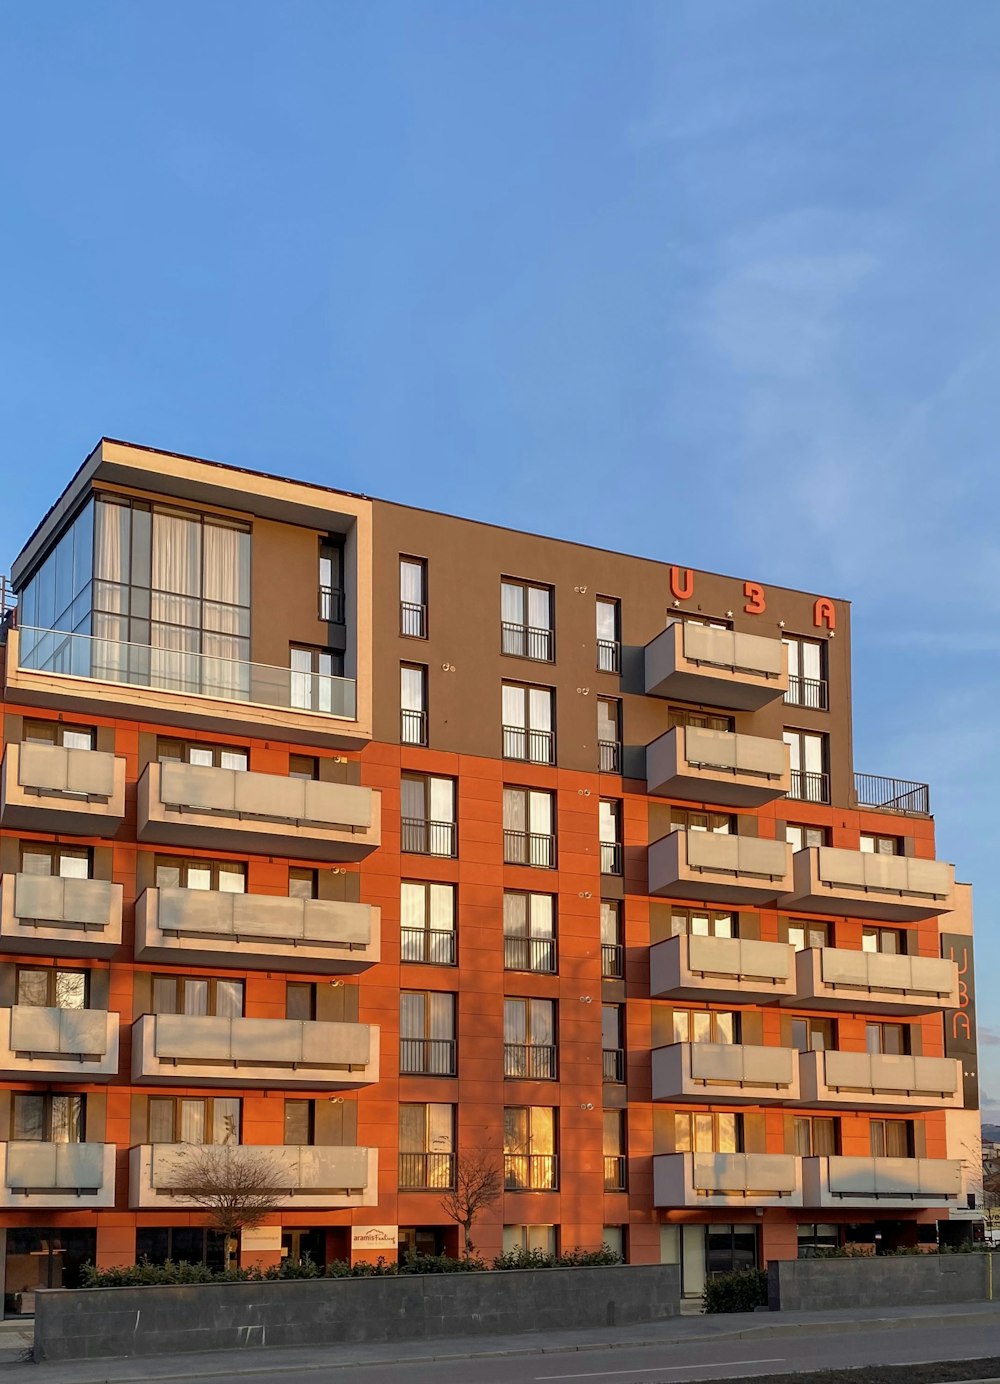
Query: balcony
{"type": "Point", "coordinates": [722, 968]}
{"type": "Point", "coordinates": [716, 667]}
{"type": "Point", "coordinates": [880, 1081]}
{"type": "Point", "coordinates": [705, 866]}
{"type": "Point", "coordinates": [902, 796]}
{"type": "Point", "coordinates": [44, 914]}
{"type": "Point", "coordinates": [180, 803]}
{"type": "Point", "coordinates": [49, 788]}
{"type": "Point", "coordinates": [736, 1180]}
{"type": "Point", "coordinates": [881, 1183]}
{"type": "Point", "coordinates": [57, 1177]}
{"type": "Point", "coordinates": [39, 1044]}
{"type": "Point", "coordinates": [717, 766]}
{"type": "Point", "coordinates": [198, 1051]}
{"type": "Point", "coordinates": [874, 982]}
{"type": "Point", "coordinates": [202, 927]}
{"type": "Point", "coordinates": [710, 1072]}
{"type": "Point", "coordinates": [317, 1177]}
{"type": "Point", "coordinates": [890, 888]}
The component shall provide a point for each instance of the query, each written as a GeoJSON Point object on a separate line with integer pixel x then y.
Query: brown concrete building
{"type": "Point", "coordinates": [375, 836]}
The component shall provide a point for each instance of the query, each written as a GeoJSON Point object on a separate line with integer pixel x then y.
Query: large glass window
{"type": "Point", "coordinates": [51, 1119]}
{"type": "Point", "coordinates": [427, 1146]}
{"type": "Point", "coordinates": [428, 814]}
{"type": "Point", "coordinates": [528, 827]}
{"type": "Point", "coordinates": [529, 942]}
{"type": "Point", "coordinates": [810, 780]}
{"type": "Point", "coordinates": [718, 1133]}
{"type": "Point", "coordinates": [48, 987]}
{"type": "Point", "coordinates": [194, 1120]}
{"type": "Point", "coordinates": [526, 620]}
{"type": "Point", "coordinates": [529, 1039]}
{"type": "Point", "coordinates": [427, 922]}
{"type": "Point", "coordinates": [527, 723]}
{"type": "Point", "coordinates": [197, 995]}
{"type": "Point", "coordinates": [529, 1148]}
{"type": "Point", "coordinates": [427, 1032]}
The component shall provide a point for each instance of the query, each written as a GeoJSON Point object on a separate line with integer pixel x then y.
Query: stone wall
{"type": "Point", "coordinates": [811, 1285]}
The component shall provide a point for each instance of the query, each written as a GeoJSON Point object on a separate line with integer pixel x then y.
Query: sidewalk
{"type": "Point", "coordinates": [676, 1331]}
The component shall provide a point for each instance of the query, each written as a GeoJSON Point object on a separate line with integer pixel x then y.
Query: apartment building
{"type": "Point", "coordinates": [380, 839]}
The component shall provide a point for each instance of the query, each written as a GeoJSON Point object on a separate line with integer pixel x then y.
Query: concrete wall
{"type": "Point", "coordinates": [807, 1285]}
{"type": "Point", "coordinates": [97, 1323]}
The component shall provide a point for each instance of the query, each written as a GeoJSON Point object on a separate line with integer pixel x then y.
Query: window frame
{"type": "Point", "coordinates": [539, 637]}
{"type": "Point", "coordinates": [413, 621]}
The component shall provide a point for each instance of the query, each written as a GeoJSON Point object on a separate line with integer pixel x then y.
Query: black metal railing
{"type": "Point", "coordinates": [529, 848]}
{"type": "Point", "coordinates": [609, 656]}
{"type": "Point", "coordinates": [810, 787]}
{"type": "Point", "coordinates": [433, 1170]}
{"type": "Point", "coordinates": [612, 960]}
{"type": "Point", "coordinates": [613, 1064]}
{"type": "Point", "coordinates": [8, 601]}
{"type": "Point", "coordinates": [614, 1172]}
{"type": "Point", "coordinates": [808, 692]}
{"type": "Point", "coordinates": [610, 756]}
{"type": "Point", "coordinates": [433, 946]}
{"type": "Point", "coordinates": [611, 857]}
{"type": "Point", "coordinates": [534, 746]}
{"type": "Point", "coordinates": [427, 1056]}
{"type": "Point", "coordinates": [413, 727]}
{"type": "Point", "coordinates": [420, 837]}
{"type": "Point", "coordinates": [530, 1061]}
{"type": "Point", "coordinates": [892, 794]}
{"type": "Point", "coordinates": [526, 641]}
{"type": "Point", "coordinates": [530, 1172]}
{"type": "Point", "coordinates": [331, 604]}
{"type": "Point", "coordinates": [413, 619]}
{"type": "Point", "coordinates": [530, 954]}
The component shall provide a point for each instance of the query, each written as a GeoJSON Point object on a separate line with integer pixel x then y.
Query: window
{"type": "Point", "coordinates": [46, 987]}
{"type": "Point", "coordinates": [613, 1042]}
{"type": "Point", "coordinates": [609, 735]}
{"type": "Point", "coordinates": [891, 1138]}
{"type": "Point", "coordinates": [718, 1133]}
{"type": "Point", "coordinates": [427, 1146]}
{"type": "Point", "coordinates": [803, 934]}
{"type": "Point", "coordinates": [300, 1000]}
{"type": "Point", "coordinates": [529, 1149]}
{"type": "Point", "coordinates": [529, 1039]}
{"type": "Point", "coordinates": [683, 617]}
{"type": "Point", "coordinates": [198, 995]}
{"type": "Point", "coordinates": [699, 720]}
{"type": "Point", "coordinates": [891, 941]}
{"type": "Point", "coordinates": [56, 733]}
{"type": "Point", "coordinates": [303, 883]}
{"type": "Point", "coordinates": [47, 1119]}
{"type": "Point", "coordinates": [413, 597]}
{"type": "Point", "coordinates": [893, 1039]}
{"type": "Point", "coordinates": [612, 950]}
{"type": "Point", "coordinates": [300, 1122]}
{"type": "Point", "coordinates": [525, 1238]}
{"type": "Point", "coordinates": [810, 780]}
{"type": "Point", "coordinates": [609, 649]}
{"type": "Point", "coordinates": [881, 845]}
{"type": "Point", "coordinates": [208, 756]}
{"type": "Point", "coordinates": [697, 922]}
{"type": "Point", "coordinates": [529, 942]}
{"type": "Point", "coordinates": [807, 685]}
{"type": "Point", "coordinates": [222, 876]}
{"type": "Point", "coordinates": [689, 819]}
{"type": "Point", "coordinates": [192, 1120]}
{"type": "Point", "coordinates": [303, 766]}
{"type": "Point", "coordinates": [730, 1248]}
{"type": "Point", "coordinates": [527, 714]}
{"type": "Point", "coordinates": [614, 1151]}
{"type": "Point", "coordinates": [314, 684]}
{"type": "Point", "coordinates": [706, 1026]}
{"type": "Point", "coordinates": [610, 811]}
{"type": "Point", "coordinates": [801, 837]}
{"type": "Point", "coordinates": [811, 1035]}
{"type": "Point", "coordinates": [412, 704]}
{"type": "Point", "coordinates": [331, 583]}
{"type": "Point", "coordinates": [427, 922]}
{"type": "Point", "coordinates": [816, 1136]}
{"type": "Point", "coordinates": [181, 1244]}
{"type": "Point", "coordinates": [62, 862]}
{"type": "Point", "coordinates": [815, 1239]}
{"type": "Point", "coordinates": [526, 620]}
{"type": "Point", "coordinates": [528, 834]}
{"type": "Point", "coordinates": [428, 812]}
{"type": "Point", "coordinates": [427, 1033]}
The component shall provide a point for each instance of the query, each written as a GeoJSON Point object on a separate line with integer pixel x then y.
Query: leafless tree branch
{"type": "Point", "coordinates": [478, 1186]}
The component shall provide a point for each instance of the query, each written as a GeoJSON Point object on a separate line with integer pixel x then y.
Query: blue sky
{"type": "Point", "coordinates": [569, 266]}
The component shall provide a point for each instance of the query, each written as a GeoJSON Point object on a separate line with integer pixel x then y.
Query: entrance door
{"type": "Point", "coordinates": [297, 1244]}
{"type": "Point", "coordinates": [38, 1258]}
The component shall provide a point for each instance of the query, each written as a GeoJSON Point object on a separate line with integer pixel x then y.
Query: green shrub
{"type": "Point", "coordinates": [586, 1258]}
{"type": "Point", "coordinates": [740, 1291]}
{"type": "Point", "coordinates": [570, 1259]}
{"type": "Point", "coordinates": [441, 1263]}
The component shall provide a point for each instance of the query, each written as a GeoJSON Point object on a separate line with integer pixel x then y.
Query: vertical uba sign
{"type": "Point", "coordinates": [960, 1023]}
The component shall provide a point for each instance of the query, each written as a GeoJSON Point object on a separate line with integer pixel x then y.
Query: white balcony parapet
{"type": "Point", "coordinates": [720, 968]}
{"type": "Point", "coordinates": [719, 667]}
{"type": "Point", "coordinates": [885, 1081]}
{"type": "Point", "coordinates": [709, 866]}
{"type": "Point", "coordinates": [53, 788]}
{"type": "Point", "coordinates": [708, 1072]}
{"type": "Point", "coordinates": [68, 917]}
{"type": "Point", "coordinates": [726, 1180]}
{"type": "Point", "coordinates": [896, 888]}
{"type": "Point", "coordinates": [68, 1177]}
{"type": "Point", "coordinates": [881, 1182]}
{"type": "Point", "coordinates": [878, 982]}
{"type": "Point", "coordinates": [702, 765]}
{"type": "Point", "coordinates": [58, 1044]}
{"type": "Point", "coordinates": [315, 1176]}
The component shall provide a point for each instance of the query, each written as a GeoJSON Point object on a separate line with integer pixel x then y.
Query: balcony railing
{"type": "Point", "coordinates": [191, 674]}
{"type": "Point", "coordinates": [530, 1061]}
{"type": "Point", "coordinates": [611, 857]}
{"type": "Point", "coordinates": [413, 619]}
{"type": "Point", "coordinates": [613, 1061]}
{"type": "Point", "coordinates": [331, 605]}
{"type": "Point", "coordinates": [435, 1171]}
{"type": "Point", "coordinates": [529, 954]}
{"type": "Point", "coordinates": [533, 746]}
{"type": "Point", "coordinates": [529, 848]}
{"type": "Point", "coordinates": [530, 1172]}
{"type": "Point", "coordinates": [413, 727]}
{"type": "Point", "coordinates": [609, 656]}
{"type": "Point", "coordinates": [892, 794]}
{"type": "Point", "coordinates": [810, 787]}
{"type": "Point", "coordinates": [420, 837]}
{"type": "Point", "coordinates": [614, 1172]}
{"type": "Point", "coordinates": [807, 692]}
{"type": "Point", "coordinates": [526, 641]}
{"type": "Point", "coordinates": [612, 960]}
{"type": "Point", "coordinates": [429, 945]}
{"type": "Point", "coordinates": [610, 756]}
{"type": "Point", "coordinates": [427, 1056]}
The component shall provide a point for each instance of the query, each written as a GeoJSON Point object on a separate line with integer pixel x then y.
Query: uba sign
{"type": "Point", "coordinates": [755, 596]}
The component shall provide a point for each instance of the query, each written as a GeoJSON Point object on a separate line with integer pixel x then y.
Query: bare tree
{"type": "Point", "coordinates": [239, 1186]}
{"type": "Point", "coordinates": [478, 1186]}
